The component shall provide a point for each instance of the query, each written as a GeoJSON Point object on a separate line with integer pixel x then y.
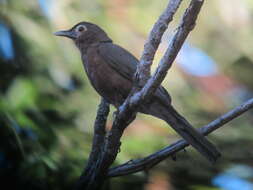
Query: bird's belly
{"type": "Point", "coordinates": [108, 83]}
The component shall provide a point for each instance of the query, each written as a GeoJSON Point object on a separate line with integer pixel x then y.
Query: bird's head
{"type": "Point", "coordinates": [85, 34]}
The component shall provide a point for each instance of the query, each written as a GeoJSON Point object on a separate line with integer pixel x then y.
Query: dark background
{"type": "Point", "coordinates": [47, 106]}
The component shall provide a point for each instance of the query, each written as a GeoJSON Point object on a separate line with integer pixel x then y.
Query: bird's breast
{"type": "Point", "coordinates": [106, 81]}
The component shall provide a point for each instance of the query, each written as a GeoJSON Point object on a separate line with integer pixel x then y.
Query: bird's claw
{"type": "Point", "coordinates": [174, 157]}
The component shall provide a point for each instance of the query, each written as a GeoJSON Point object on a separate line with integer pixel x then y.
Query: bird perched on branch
{"type": "Point", "coordinates": [111, 69]}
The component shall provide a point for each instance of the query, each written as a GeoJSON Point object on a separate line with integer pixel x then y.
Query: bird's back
{"type": "Point", "coordinates": [110, 69]}
{"type": "Point", "coordinates": [109, 83]}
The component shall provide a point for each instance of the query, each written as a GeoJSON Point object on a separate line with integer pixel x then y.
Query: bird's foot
{"type": "Point", "coordinates": [174, 157]}
{"type": "Point", "coordinates": [114, 115]}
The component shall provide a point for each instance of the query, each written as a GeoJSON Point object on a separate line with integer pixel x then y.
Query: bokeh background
{"type": "Point", "coordinates": [47, 106]}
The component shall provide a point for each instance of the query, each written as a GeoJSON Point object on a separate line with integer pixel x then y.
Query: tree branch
{"type": "Point", "coordinates": [127, 112]}
{"type": "Point", "coordinates": [153, 159]}
{"type": "Point", "coordinates": [186, 25]}
{"type": "Point", "coordinates": [99, 129]}
{"type": "Point", "coordinates": [98, 141]}
{"type": "Point", "coordinates": [154, 39]}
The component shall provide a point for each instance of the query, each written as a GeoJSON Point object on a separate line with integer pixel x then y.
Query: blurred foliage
{"type": "Point", "coordinates": [47, 106]}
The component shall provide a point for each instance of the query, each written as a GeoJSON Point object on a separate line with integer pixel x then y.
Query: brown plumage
{"type": "Point", "coordinates": [110, 69]}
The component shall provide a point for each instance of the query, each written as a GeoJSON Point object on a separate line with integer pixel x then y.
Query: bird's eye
{"type": "Point", "coordinates": [81, 28]}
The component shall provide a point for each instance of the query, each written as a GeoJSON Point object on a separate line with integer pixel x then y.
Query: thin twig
{"type": "Point", "coordinates": [154, 39]}
{"type": "Point", "coordinates": [153, 159]}
{"type": "Point", "coordinates": [186, 25]}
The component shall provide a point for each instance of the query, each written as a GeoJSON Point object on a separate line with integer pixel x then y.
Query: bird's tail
{"type": "Point", "coordinates": [190, 134]}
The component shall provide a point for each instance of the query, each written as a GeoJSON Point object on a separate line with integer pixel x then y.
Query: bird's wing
{"type": "Point", "coordinates": [125, 64]}
{"type": "Point", "coordinates": [119, 59]}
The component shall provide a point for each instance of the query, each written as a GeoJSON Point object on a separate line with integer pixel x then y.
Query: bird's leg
{"type": "Point", "coordinates": [115, 114]}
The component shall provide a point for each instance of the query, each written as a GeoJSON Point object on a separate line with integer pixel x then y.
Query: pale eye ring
{"type": "Point", "coordinates": [81, 28]}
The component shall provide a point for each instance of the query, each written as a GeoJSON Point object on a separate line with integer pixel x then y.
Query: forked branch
{"type": "Point", "coordinates": [153, 159]}
{"type": "Point", "coordinates": [106, 147]}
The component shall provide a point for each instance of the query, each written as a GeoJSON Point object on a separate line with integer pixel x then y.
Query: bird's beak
{"type": "Point", "coordinates": [66, 33]}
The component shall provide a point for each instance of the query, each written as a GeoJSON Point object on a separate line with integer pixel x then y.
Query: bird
{"type": "Point", "coordinates": [111, 68]}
